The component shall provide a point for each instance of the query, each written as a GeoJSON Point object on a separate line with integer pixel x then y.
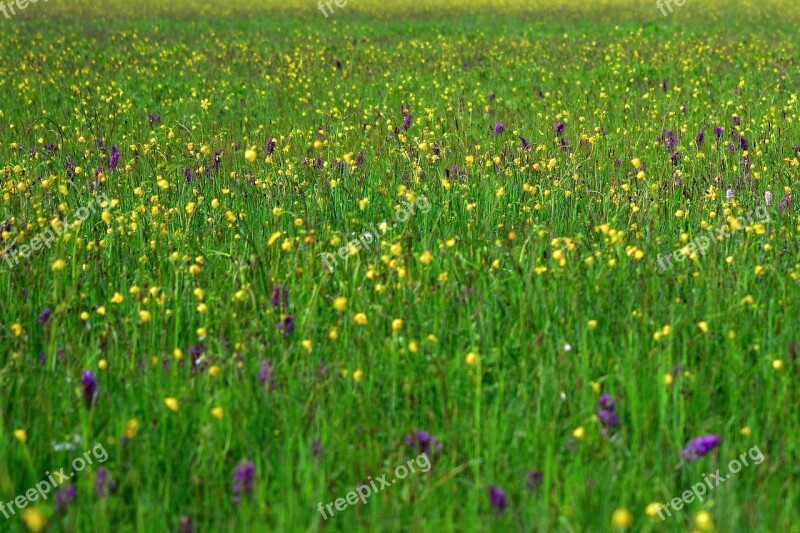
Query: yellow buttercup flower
{"type": "Point", "coordinates": [621, 518]}
{"type": "Point", "coordinates": [58, 265]}
{"type": "Point", "coordinates": [340, 303]}
{"type": "Point", "coordinates": [34, 519]}
{"type": "Point", "coordinates": [172, 404]}
{"type": "Point", "coordinates": [397, 324]}
{"type": "Point", "coordinates": [360, 319]}
{"type": "Point", "coordinates": [21, 435]}
{"type": "Point", "coordinates": [131, 428]}
{"type": "Point", "coordinates": [217, 413]}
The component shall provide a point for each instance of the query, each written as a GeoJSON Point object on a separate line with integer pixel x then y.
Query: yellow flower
{"type": "Point", "coordinates": [34, 519]}
{"type": "Point", "coordinates": [592, 324]}
{"type": "Point", "coordinates": [357, 375]}
{"type": "Point", "coordinates": [777, 364]}
{"type": "Point", "coordinates": [425, 258]}
{"type": "Point", "coordinates": [340, 303]}
{"type": "Point", "coordinates": [397, 324]}
{"type": "Point", "coordinates": [172, 404]}
{"type": "Point", "coordinates": [703, 521]}
{"type": "Point", "coordinates": [595, 386]}
{"type": "Point", "coordinates": [413, 347]}
{"type": "Point", "coordinates": [652, 509]}
{"type": "Point", "coordinates": [250, 155]}
{"type": "Point", "coordinates": [217, 413]}
{"type": "Point", "coordinates": [131, 428]}
{"type": "Point", "coordinates": [117, 298]}
{"type": "Point", "coordinates": [621, 518]}
{"type": "Point", "coordinates": [360, 319]}
{"type": "Point", "coordinates": [307, 344]}
{"type": "Point", "coordinates": [274, 237]}
{"type": "Point", "coordinates": [102, 364]}
{"type": "Point", "coordinates": [145, 316]}
{"type": "Point", "coordinates": [21, 435]}
{"type": "Point", "coordinates": [213, 371]}
{"type": "Point", "coordinates": [746, 431]}
{"type": "Point", "coordinates": [58, 265]}
{"type": "Point", "coordinates": [333, 334]}
{"type": "Point", "coordinates": [668, 379]}
{"type": "Point", "coordinates": [703, 326]}
{"type": "Point", "coordinates": [637, 163]}
{"type": "Point", "coordinates": [16, 329]}
{"type": "Point", "coordinates": [758, 270]}
{"type": "Point", "coordinates": [579, 432]}
{"type": "Point", "coordinates": [471, 358]}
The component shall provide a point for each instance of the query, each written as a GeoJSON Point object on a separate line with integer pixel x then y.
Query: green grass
{"type": "Point", "coordinates": [495, 286]}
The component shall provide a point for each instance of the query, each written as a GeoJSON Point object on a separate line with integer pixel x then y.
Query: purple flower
{"type": "Point", "coordinates": [767, 197]}
{"type": "Point", "coordinates": [559, 128]}
{"type": "Point", "coordinates": [187, 173]}
{"type": "Point", "coordinates": [153, 119]}
{"type": "Point", "coordinates": [606, 412]}
{"type": "Point", "coordinates": [65, 496]}
{"type": "Point", "coordinates": [736, 120]}
{"type": "Point", "coordinates": [701, 135]}
{"type": "Point", "coordinates": [729, 195]}
{"type": "Point", "coordinates": [244, 476]}
{"type": "Point", "coordinates": [286, 325]}
{"type": "Point", "coordinates": [102, 486]}
{"type": "Point", "coordinates": [99, 143]}
{"type": "Point", "coordinates": [718, 132]}
{"type": "Point", "coordinates": [407, 121]}
{"type": "Point", "coordinates": [664, 85]}
{"type": "Point", "coordinates": [786, 202]}
{"type": "Point", "coordinates": [280, 297]}
{"type": "Point", "coordinates": [270, 146]}
{"type": "Point", "coordinates": [423, 441]}
{"type": "Point", "coordinates": [267, 375]}
{"type": "Point", "coordinates": [89, 388]}
{"type": "Point", "coordinates": [113, 160]}
{"type": "Point", "coordinates": [535, 478]}
{"type": "Point", "coordinates": [699, 447]}
{"type": "Point", "coordinates": [617, 162]}
{"type": "Point", "coordinates": [499, 128]}
{"type": "Point", "coordinates": [44, 316]}
{"type": "Point", "coordinates": [316, 448]}
{"type": "Point", "coordinates": [497, 497]}
{"type": "Point", "coordinates": [525, 144]}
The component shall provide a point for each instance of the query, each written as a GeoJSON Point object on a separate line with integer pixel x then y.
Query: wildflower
{"type": "Point", "coordinates": [698, 141]}
{"type": "Point", "coordinates": [407, 121]}
{"type": "Point", "coordinates": [267, 375]}
{"type": "Point", "coordinates": [286, 325]}
{"type": "Point", "coordinates": [729, 195]}
{"type": "Point", "coordinates": [360, 319]}
{"type": "Point", "coordinates": [718, 132]}
{"type": "Point", "coordinates": [64, 497]}
{"type": "Point", "coordinates": [525, 144]}
{"type": "Point", "coordinates": [699, 447]}
{"type": "Point", "coordinates": [767, 198]}
{"type": "Point", "coordinates": [316, 448]}
{"type": "Point", "coordinates": [217, 413]}
{"type": "Point", "coordinates": [34, 519]}
{"type": "Point", "coordinates": [102, 486]}
{"type": "Point", "coordinates": [280, 297]}
{"type": "Point", "coordinates": [497, 497]}
{"type": "Point", "coordinates": [499, 128]}
{"type": "Point", "coordinates": [340, 303]}
{"type": "Point", "coordinates": [621, 518]}
{"type": "Point", "coordinates": [606, 412]}
{"type": "Point", "coordinates": [58, 265]}
{"type": "Point", "coordinates": [703, 521]}
{"type": "Point", "coordinates": [21, 435]}
{"type": "Point", "coordinates": [44, 316]}
{"type": "Point", "coordinates": [89, 388]}
{"type": "Point", "coordinates": [172, 404]}
{"type": "Point", "coordinates": [358, 374]}
{"type": "Point", "coordinates": [113, 159]}
{"type": "Point", "coordinates": [652, 509]}
{"type": "Point", "coordinates": [535, 479]}
{"type": "Point", "coordinates": [244, 476]}
{"type": "Point", "coordinates": [559, 128]}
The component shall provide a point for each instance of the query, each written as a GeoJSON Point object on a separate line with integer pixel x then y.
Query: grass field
{"type": "Point", "coordinates": [257, 259]}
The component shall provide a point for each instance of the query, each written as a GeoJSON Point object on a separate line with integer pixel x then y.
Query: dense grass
{"type": "Point", "coordinates": [540, 289]}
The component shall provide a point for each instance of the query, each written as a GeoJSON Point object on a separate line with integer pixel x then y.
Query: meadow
{"type": "Point", "coordinates": [435, 266]}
